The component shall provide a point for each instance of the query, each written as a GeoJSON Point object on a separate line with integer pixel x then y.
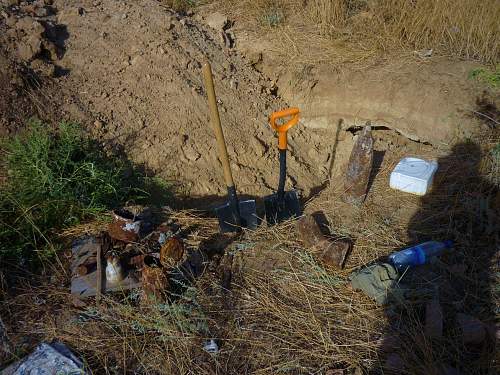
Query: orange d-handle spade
{"type": "Point", "coordinates": [283, 129]}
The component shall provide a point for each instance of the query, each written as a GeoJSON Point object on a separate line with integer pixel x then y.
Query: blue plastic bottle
{"type": "Point", "coordinates": [419, 254]}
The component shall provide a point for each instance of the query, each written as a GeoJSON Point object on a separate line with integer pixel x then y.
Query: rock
{"type": "Point", "coordinates": [190, 153]}
{"type": "Point", "coordinates": [52, 50]}
{"type": "Point", "coordinates": [30, 26]}
{"type": "Point", "coordinates": [471, 329]}
{"type": "Point", "coordinates": [43, 67]}
{"type": "Point", "coordinates": [70, 12]}
{"type": "Point", "coordinates": [8, 3]}
{"type": "Point", "coordinates": [98, 125]}
{"type": "Point", "coordinates": [41, 12]}
{"type": "Point", "coordinates": [11, 21]}
{"type": "Point", "coordinates": [30, 48]}
{"type": "Point", "coordinates": [217, 21]}
{"type": "Point", "coordinates": [433, 319]}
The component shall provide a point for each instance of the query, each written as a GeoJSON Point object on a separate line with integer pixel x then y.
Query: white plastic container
{"type": "Point", "coordinates": [413, 175]}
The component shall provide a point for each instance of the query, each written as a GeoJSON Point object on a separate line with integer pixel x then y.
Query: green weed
{"type": "Point", "coordinates": [273, 17]}
{"type": "Point", "coordinates": [487, 76]}
{"type": "Point", "coordinates": [56, 179]}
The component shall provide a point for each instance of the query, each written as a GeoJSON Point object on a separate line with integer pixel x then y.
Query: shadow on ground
{"type": "Point", "coordinates": [459, 208]}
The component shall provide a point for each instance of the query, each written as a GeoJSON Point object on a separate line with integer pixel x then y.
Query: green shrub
{"type": "Point", "coordinates": [487, 76]}
{"type": "Point", "coordinates": [56, 179]}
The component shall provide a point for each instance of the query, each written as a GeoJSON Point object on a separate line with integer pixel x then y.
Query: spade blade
{"type": "Point", "coordinates": [228, 219]}
{"type": "Point", "coordinates": [278, 210]}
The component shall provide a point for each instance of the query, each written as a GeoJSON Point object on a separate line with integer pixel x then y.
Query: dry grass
{"type": "Point", "coordinates": [285, 313]}
{"type": "Point", "coordinates": [338, 31]}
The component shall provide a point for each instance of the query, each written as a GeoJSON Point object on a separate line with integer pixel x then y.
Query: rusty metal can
{"type": "Point", "coordinates": [124, 228]}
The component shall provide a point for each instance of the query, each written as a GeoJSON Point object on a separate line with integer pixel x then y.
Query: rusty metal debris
{"type": "Point", "coordinates": [154, 281]}
{"type": "Point", "coordinates": [332, 253]}
{"type": "Point", "coordinates": [125, 227]}
{"type": "Point", "coordinates": [172, 250]}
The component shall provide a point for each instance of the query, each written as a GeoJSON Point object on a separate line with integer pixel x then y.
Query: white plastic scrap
{"type": "Point", "coordinates": [48, 359]}
{"type": "Point", "coordinates": [211, 347]}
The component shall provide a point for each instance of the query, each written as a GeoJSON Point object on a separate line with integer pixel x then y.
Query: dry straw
{"type": "Point", "coordinates": [359, 31]}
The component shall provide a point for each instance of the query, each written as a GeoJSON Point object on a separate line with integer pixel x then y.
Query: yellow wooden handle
{"type": "Point", "coordinates": [215, 121]}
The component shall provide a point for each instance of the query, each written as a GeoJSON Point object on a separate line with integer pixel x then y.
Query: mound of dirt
{"type": "Point", "coordinates": [137, 67]}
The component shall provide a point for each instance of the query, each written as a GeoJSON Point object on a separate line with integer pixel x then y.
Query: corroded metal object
{"type": "Point", "coordinates": [172, 250]}
{"type": "Point", "coordinates": [359, 168]}
{"type": "Point", "coordinates": [331, 253]}
{"type": "Point", "coordinates": [154, 281]}
{"type": "Point", "coordinates": [124, 227]}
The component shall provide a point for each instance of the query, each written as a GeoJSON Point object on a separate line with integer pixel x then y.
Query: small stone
{"type": "Point", "coordinates": [98, 125]}
{"type": "Point", "coordinates": [41, 12]}
{"type": "Point", "coordinates": [29, 26]}
{"type": "Point", "coordinates": [137, 60]}
{"type": "Point", "coordinates": [52, 49]}
{"type": "Point", "coordinates": [124, 16]}
{"type": "Point", "coordinates": [254, 57]}
{"type": "Point", "coordinates": [30, 48]}
{"type": "Point", "coordinates": [190, 153]}
{"type": "Point", "coordinates": [43, 67]}
{"type": "Point", "coordinates": [183, 22]}
{"type": "Point", "coordinates": [11, 21]}
{"type": "Point", "coordinates": [217, 21]}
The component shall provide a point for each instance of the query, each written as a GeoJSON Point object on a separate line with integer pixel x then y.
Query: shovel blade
{"type": "Point", "coordinates": [228, 219]}
{"type": "Point", "coordinates": [278, 211]}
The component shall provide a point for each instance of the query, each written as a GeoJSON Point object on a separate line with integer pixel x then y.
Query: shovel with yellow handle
{"type": "Point", "coordinates": [235, 213]}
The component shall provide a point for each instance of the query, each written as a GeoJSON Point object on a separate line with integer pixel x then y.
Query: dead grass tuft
{"type": "Point", "coordinates": [353, 30]}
